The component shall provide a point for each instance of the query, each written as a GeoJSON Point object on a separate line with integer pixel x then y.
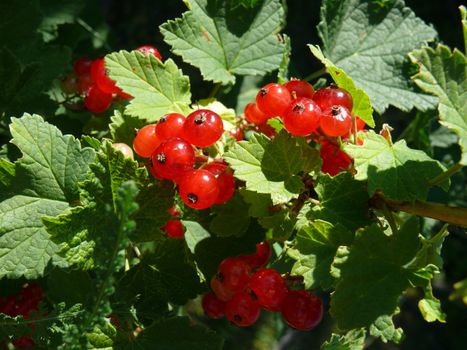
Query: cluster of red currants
{"type": "Point", "coordinates": [171, 144]}
{"type": "Point", "coordinates": [324, 115]}
{"type": "Point", "coordinates": [89, 79]}
{"type": "Point", "coordinates": [242, 286]}
{"type": "Point", "coordinates": [22, 303]}
{"type": "Point", "coordinates": [173, 228]}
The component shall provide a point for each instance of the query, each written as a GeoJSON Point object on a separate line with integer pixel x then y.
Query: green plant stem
{"type": "Point", "coordinates": [315, 75]}
{"type": "Point", "coordinates": [95, 34]}
{"type": "Point", "coordinates": [390, 218]}
{"type": "Point", "coordinates": [446, 175]}
{"type": "Point", "coordinates": [451, 215]}
{"type": "Point", "coordinates": [215, 90]}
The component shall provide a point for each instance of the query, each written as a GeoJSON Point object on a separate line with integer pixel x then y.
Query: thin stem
{"type": "Point", "coordinates": [315, 75]}
{"type": "Point", "coordinates": [91, 31]}
{"type": "Point", "coordinates": [446, 175]}
{"type": "Point", "coordinates": [451, 215]}
{"type": "Point", "coordinates": [389, 218]}
{"type": "Point", "coordinates": [215, 90]}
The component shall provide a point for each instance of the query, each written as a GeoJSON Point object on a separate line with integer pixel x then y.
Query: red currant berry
{"type": "Point", "coordinates": [82, 66]}
{"type": "Point", "coordinates": [202, 128]}
{"type": "Point", "coordinates": [302, 310]}
{"type": "Point", "coordinates": [237, 134]}
{"type": "Point", "coordinates": [234, 273]}
{"type": "Point", "coordinates": [174, 212]}
{"type": "Point", "coordinates": [173, 158]}
{"type": "Point", "coordinates": [173, 229]}
{"type": "Point", "coordinates": [146, 141]}
{"type": "Point", "coordinates": [150, 50]}
{"type": "Point", "coordinates": [267, 130]}
{"type": "Point", "coordinates": [334, 160]}
{"type": "Point", "coordinates": [69, 84]}
{"type": "Point", "coordinates": [261, 257]}
{"type": "Point", "coordinates": [99, 75]}
{"type": "Point", "coordinates": [122, 95]}
{"type": "Point", "coordinates": [254, 115]}
{"type": "Point", "coordinates": [96, 100]}
{"type": "Point", "coordinates": [269, 288]}
{"type": "Point", "coordinates": [242, 310]}
{"type": "Point", "coordinates": [302, 117]}
{"type": "Point", "coordinates": [85, 82]}
{"type": "Point", "coordinates": [300, 88]}
{"type": "Point", "coordinates": [213, 306]}
{"type": "Point", "coordinates": [225, 181]}
{"type": "Point", "coordinates": [170, 125]}
{"type": "Point", "coordinates": [336, 121]}
{"type": "Point", "coordinates": [24, 343]}
{"type": "Point", "coordinates": [199, 189]}
{"type": "Point", "coordinates": [218, 287]}
{"type": "Point", "coordinates": [124, 148]}
{"type": "Point", "coordinates": [331, 96]}
{"type": "Point", "coordinates": [273, 99]}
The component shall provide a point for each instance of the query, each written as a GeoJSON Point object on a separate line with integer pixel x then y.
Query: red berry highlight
{"type": "Point", "coordinates": [302, 310]}
{"type": "Point", "coordinates": [242, 310]}
{"type": "Point", "coordinates": [170, 125]}
{"type": "Point", "coordinates": [146, 141]}
{"type": "Point", "coordinates": [273, 99]}
{"type": "Point", "coordinates": [198, 189]}
{"type": "Point", "coordinates": [269, 288]}
{"type": "Point", "coordinates": [150, 50]}
{"type": "Point", "coordinates": [203, 128]}
{"type": "Point", "coordinates": [173, 229]}
{"type": "Point", "coordinates": [302, 117]}
{"type": "Point", "coordinates": [254, 115]}
{"type": "Point", "coordinates": [173, 158]}
{"type": "Point", "coordinates": [99, 74]}
{"type": "Point", "coordinates": [300, 88]}
{"type": "Point", "coordinates": [331, 96]}
{"type": "Point", "coordinates": [336, 121]}
{"type": "Point", "coordinates": [96, 100]}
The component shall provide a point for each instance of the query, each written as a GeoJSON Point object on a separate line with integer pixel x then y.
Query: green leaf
{"type": "Point", "coordinates": [384, 328]}
{"type": "Point", "coordinates": [370, 43]}
{"type": "Point", "coordinates": [444, 74]}
{"type": "Point", "coordinates": [283, 73]}
{"type": "Point", "coordinates": [315, 248]}
{"type": "Point", "coordinates": [224, 40]}
{"type": "Point", "coordinates": [430, 307]}
{"type": "Point", "coordinates": [177, 333]}
{"type": "Point", "coordinates": [352, 340]}
{"type": "Point", "coordinates": [7, 175]}
{"type": "Point", "coordinates": [372, 274]}
{"type": "Point", "coordinates": [460, 291]}
{"type": "Point", "coordinates": [231, 218]}
{"type": "Point", "coordinates": [270, 167]}
{"type": "Point", "coordinates": [463, 12]}
{"type": "Point", "coordinates": [400, 172]}
{"type": "Point", "coordinates": [194, 234]}
{"type": "Point", "coordinates": [123, 127]}
{"type": "Point", "coordinates": [56, 13]}
{"type": "Point", "coordinates": [158, 88]}
{"type": "Point", "coordinates": [342, 200]}
{"type": "Point", "coordinates": [361, 101]}
{"type": "Point", "coordinates": [45, 183]}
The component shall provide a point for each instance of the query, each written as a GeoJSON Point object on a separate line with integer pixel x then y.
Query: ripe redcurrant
{"type": "Point", "coordinates": [273, 99]}
{"type": "Point", "coordinates": [334, 160]}
{"type": "Point", "coordinates": [242, 310]}
{"type": "Point", "coordinates": [299, 88]}
{"type": "Point", "coordinates": [85, 82]}
{"type": "Point", "coordinates": [254, 115]}
{"type": "Point", "coordinates": [261, 256]}
{"type": "Point", "coordinates": [150, 50]}
{"type": "Point", "coordinates": [170, 125]}
{"type": "Point", "coordinates": [234, 273]}
{"type": "Point", "coordinates": [221, 291]}
{"type": "Point", "coordinates": [69, 84]}
{"type": "Point", "coordinates": [302, 310]}
{"type": "Point", "coordinates": [336, 121]}
{"type": "Point", "coordinates": [96, 100]}
{"type": "Point", "coordinates": [82, 65]}
{"type": "Point", "coordinates": [203, 128]}
{"type": "Point", "coordinates": [146, 141]}
{"type": "Point", "coordinates": [213, 306]}
{"type": "Point", "coordinates": [302, 117]}
{"type": "Point", "coordinates": [331, 96]}
{"type": "Point", "coordinates": [199, 189]}
{"type": "Point", "coordinates": [225, 181]}
{"type": "Point", "coordinates": [173, 158]}
{"type": "Point", "coordinates": [237, 134]}
{"type": "Point", "coordinates": [99, 74]}
{"type": "Point", "coordinates": [269, 288]}
{"type": "Point", "coordinates": [173, 229]}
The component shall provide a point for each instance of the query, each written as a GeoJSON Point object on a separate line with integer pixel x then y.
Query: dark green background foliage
{"type": "Point", "coordinates": [39, 41]}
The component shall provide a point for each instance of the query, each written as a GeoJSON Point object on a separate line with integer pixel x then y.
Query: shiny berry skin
{"type": "Point", "coordinates": [234, 273]}
{"type": "Point", "coordinates": [330, 96]}
{"type": "Point", "coordinates": [336, 121]}
{"type": "Point", "coordinates": [203, 128]}
{"type": "Point", "coordinates": [302, 117]}
{"type": "Point", "coordinates": [302, 310]}
{"type": "Point", "coordinates": [96, 100]}
{"type": "Point", "coordinates": [69, 84]}
{"type": "Point", "coordinates": [99, 74]}
{"type": "Point", "coordinates": [219, 289]}
{"type": "Point", "coordinates": [360, 126]}
{"type": "Point", "coordinates": [267, 130]}
{"type": "Point", "coordinates": [334, 160]}
{"type": "Point", "coordinates": [213, 306]}
{"type": "Point", "coordinates": [170, 125]}
{"type": "Point", "coordinates": [273, 99]}
{"type": "Point", "coordinates": [237, 134]}
{"type": "Point", "coordinates": [150, 50]}
{"type": "Point", "coordinates": [254, 115]}
{"type": "Point", "coordinates": [146, 141]}
{"type": "Point", "coordinates": [85, 82]}
{"type": "Point", "coordinates": [82, 66]}
{"type": "Point", "coordinates": [269, 288]}
{"type": "Point", "coordinates": [300, 88]}
{"type": "Point", "coordinates": [198, 189]}
{"type": "Point", "coordinates": [124, 148]}
{"type": "Point", "coordinates": [225, 181]}
{"type": "Point", "coordinates": [261, 257]}
{"type": "Point", "coordinates": [173, 229]}
{"type": "Point", "coordinates": [242, 310]}
{"type": "Point", "coordinates": [173, 158]}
